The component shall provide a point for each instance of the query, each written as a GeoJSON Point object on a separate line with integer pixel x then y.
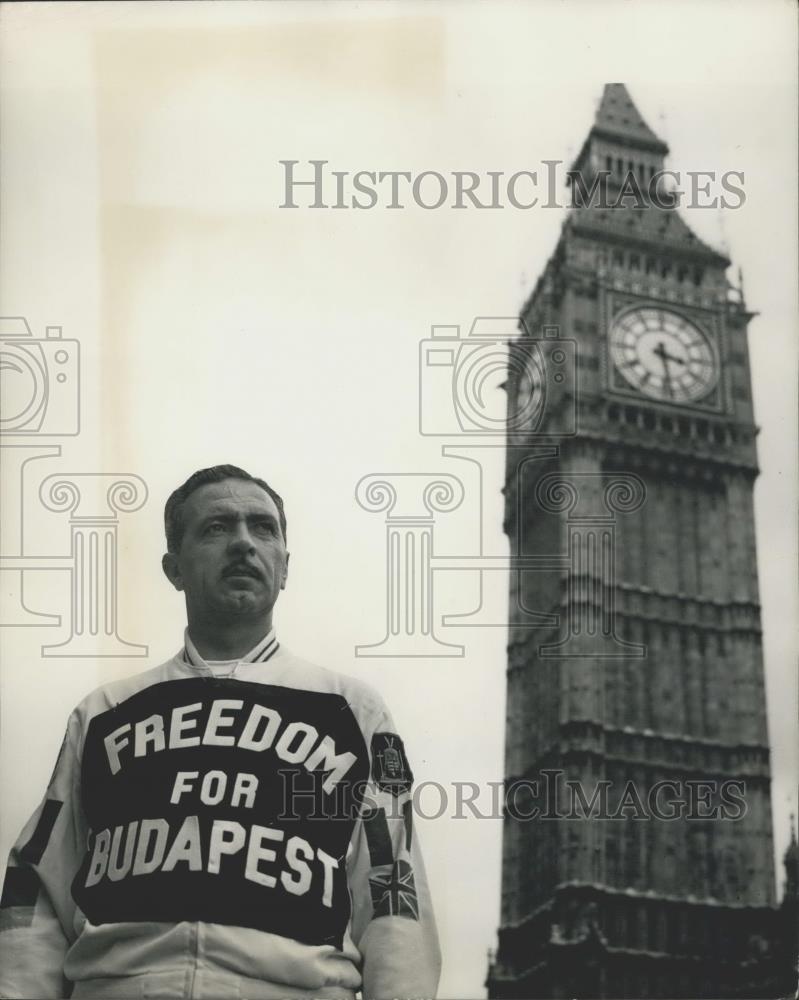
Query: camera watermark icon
{"type": "Point", "coordinates": [457, 376]}
{"type": "Point", "coordinates": [39, 381]}
{"type": "Point", "coordinates": [39, 401]}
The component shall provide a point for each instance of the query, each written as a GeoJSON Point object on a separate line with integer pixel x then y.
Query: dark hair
{"type": "Point", "coordinates": [173, 511]}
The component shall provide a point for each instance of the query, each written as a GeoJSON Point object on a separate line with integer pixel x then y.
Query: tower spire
{"type": "Point", "coordinates": [618, 118]}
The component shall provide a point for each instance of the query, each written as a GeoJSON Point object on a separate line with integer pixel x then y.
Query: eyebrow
{"type": "Point", "coordinates": [229, 516]}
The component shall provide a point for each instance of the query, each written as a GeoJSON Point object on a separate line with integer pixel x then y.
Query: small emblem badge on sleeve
{"type": "Point", "coordinates": [394, 894]}
{"type": "Point", "coordinates": [390, 768]}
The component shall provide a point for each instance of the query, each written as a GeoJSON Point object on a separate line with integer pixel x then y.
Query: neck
{"type": "Point", "coordinates": [228, 641]}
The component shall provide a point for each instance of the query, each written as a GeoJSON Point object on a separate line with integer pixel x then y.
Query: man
{"type": "Point", "coordinates": [233, 823]}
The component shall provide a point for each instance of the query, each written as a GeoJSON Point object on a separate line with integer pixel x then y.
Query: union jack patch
{"type": "Point", "coordinates": [394, 894]}
{"type": "Point", "coordinates": [390, 768]}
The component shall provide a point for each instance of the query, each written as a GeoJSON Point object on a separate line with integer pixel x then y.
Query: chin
{"type": "Point", "coordinates": [245, 604]}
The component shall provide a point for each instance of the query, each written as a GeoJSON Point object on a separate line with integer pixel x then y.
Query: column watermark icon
{"type": "Point", "coordinates": [40, 402]}
{"type": "Point", "coordinates": [410, 502]}
{"type": "Point", "coordinates": [457, 378]}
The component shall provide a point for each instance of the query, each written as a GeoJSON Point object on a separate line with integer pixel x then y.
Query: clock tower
{"type": "Point", "coordinates": [646, 867]}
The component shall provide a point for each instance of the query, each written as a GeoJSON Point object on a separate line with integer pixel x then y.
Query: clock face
{"type": "Point", "coordinates": [531, 394]}
{"type": "Point", "coordinates": [663, 355]}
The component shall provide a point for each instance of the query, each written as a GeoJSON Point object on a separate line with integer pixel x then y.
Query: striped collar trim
{"type": "Point", "coordinates": [260, 653]}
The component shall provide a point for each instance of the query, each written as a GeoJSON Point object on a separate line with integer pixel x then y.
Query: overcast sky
{"type": "Point", "coordinates": [140, 192]}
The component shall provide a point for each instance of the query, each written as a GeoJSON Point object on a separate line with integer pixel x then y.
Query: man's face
{"type": "Point", "coordinates": [232, 561]}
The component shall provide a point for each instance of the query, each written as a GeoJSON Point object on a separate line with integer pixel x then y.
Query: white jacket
{"type": "Point", "coordinates": [223, 836]}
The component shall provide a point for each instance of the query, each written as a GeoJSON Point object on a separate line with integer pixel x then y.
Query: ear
{"type": "Point", "coordinates": [169, 564]}
{"type": "Point", "coordinates": [284, 577]}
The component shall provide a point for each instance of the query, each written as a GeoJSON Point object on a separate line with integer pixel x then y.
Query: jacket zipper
{"type": "Point", "coordinates": [194, 947]}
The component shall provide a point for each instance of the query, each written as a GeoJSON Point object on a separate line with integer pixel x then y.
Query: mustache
{"type": "Point", "coordinates": [242, 569]}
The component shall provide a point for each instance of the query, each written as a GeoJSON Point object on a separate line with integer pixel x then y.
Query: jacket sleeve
{"type": "Point", "coordinates": [392, 922]}
{"type": "Point", "coordinates": [36, 908]}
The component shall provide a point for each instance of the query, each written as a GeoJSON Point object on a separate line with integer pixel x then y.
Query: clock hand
{"type": "Point", "coordinates": [665, 357]}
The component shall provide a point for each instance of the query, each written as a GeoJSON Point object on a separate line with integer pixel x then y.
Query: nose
{"type": "Point", "coordinates": [241, 541]}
